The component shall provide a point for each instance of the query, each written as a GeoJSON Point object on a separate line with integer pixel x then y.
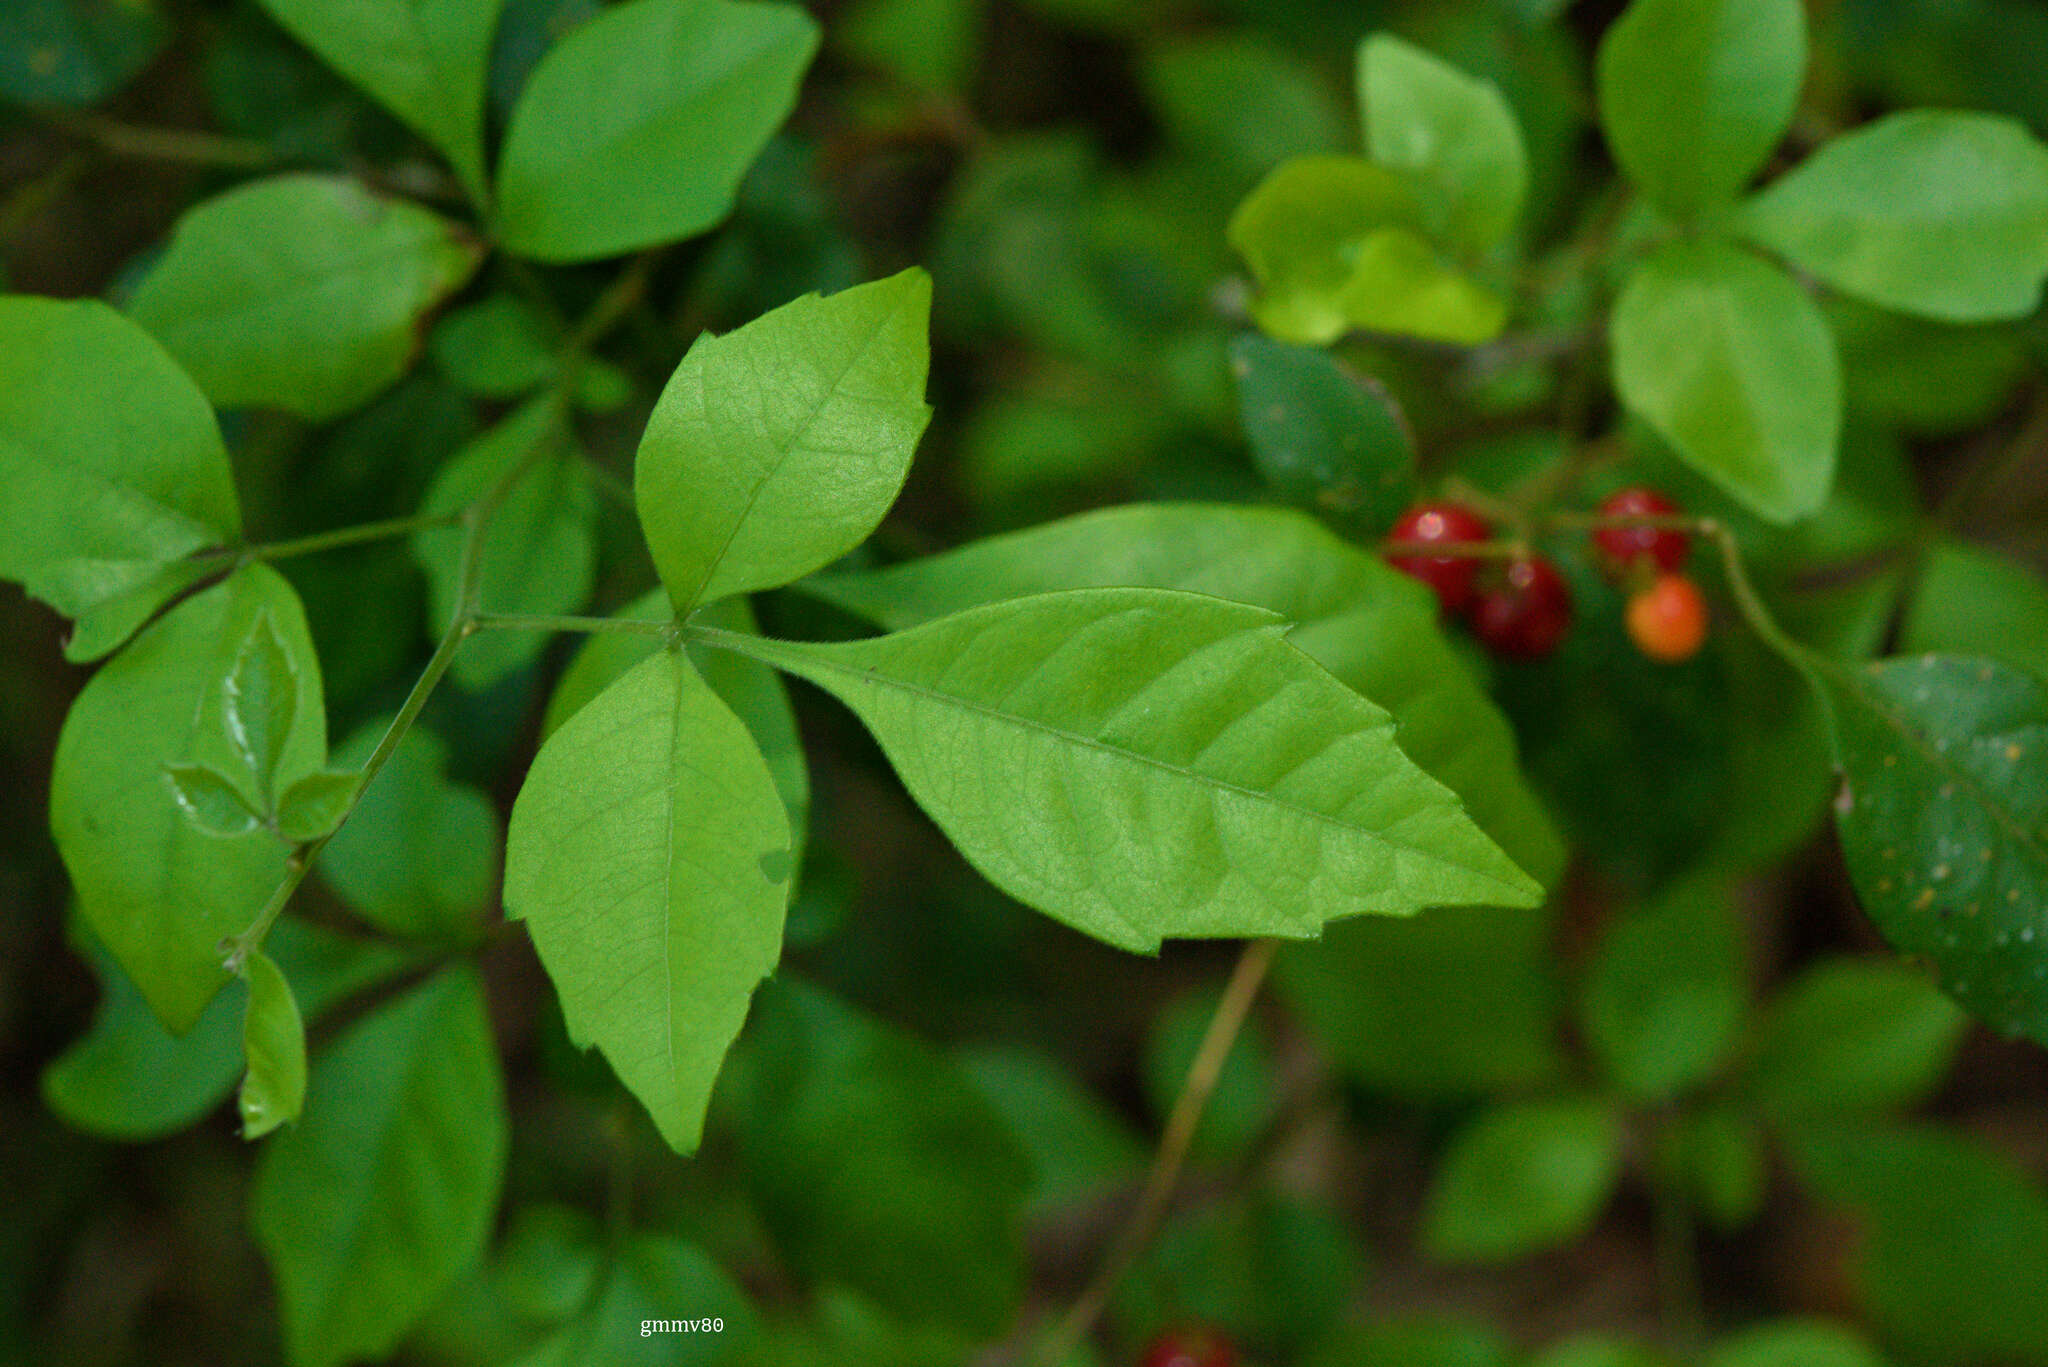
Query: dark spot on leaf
{"type": "Point", "coordinates": [775, 866]}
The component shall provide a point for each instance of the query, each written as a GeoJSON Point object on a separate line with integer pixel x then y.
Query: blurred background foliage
{"type": "Point", "coordinates": [1689, 1099]}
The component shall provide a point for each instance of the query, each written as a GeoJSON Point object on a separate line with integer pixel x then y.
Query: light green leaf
{"type": "Point", "coordinates": [654, 1278]}
{"type": "Point", "coordinates": [637, 127]}
{"type": "Point", "coordinates": [924, 1212]}
{"type": "Point", "coordinates": [539, 552]}
{"type": "Point", "coordinates": [420, 853]}
{"type": "Point", "coordinates": [1523, 1177]}
{"type": "Point", "coordinates": [1453, 133]}
{"type": "Point", "coordinates": [1141, 763]}
{"type": "Point", "coordinates": [316, 804]}
{"type": "Point", "coordinates": [1794, 1343]}
{"type": "Point", "coordinates": [1322, 437]}
{"type": "Point", "coordinates": [1373, 627]}
{"type": "Point", "coordinates": [258, 706]}
{"type": "Point", "coordinates": [1852, 1035]}
{"type": "Point", "coordinates": [111, 468]}
{"type": "Point", "coordinates": [1973, 601]}
{"type": "Point", "coordinates": [1733, 365]}
{"type": "Point", "coordinates": [424, 60]}
{"type": "Point", "coordinates": [1954, 1249]}
{"type": "Point", "coordinates": [649, 856]}
{"type": "Point", "coordinates": [1932, 212]}
{"type": "Point", "coordinates": [301, 292]}
{"type": "Point", "coordinates": [160, 893]}
{"type": "Point", "coordinates": [1943, 820]}
{"type": "Point", "coordinates": [777, 448]}
{"type": "Point", "coordinates": [130, 1079]}
{"type": "Point", "coordinates": [1399, 284]}
{"type": "Point", "coordinates": [274, 1043]}
{"type": "Point", "coordinates": [75, 52]}
{"type": "Point", "coordinates": [1299, 231]}
{"type": "Point", "coordinates": [368, 1208]}
{"type": "Point", "coordinates": [1665, 992]}
{"type": "Point", "coordinates": [215, 805]}
{"type": "Point", "coordinates": [1695, 94]}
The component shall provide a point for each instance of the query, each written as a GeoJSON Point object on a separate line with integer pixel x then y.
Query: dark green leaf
{"type": "Point", "coordinates": [159, 892]}
{"type": "Point", "coordinates": [497, 347]}
{"type": "Point", "coordinates": [1240, 102]}
{"type": "Point", "coordinates": [111, 468]}
{"type": "Point", "coordinates": [1523, 1177]}
{"type": "Point", "coordinates": [1665, 992]}
{"type": "Point", "coordinates": [1943, 819]}
{"type": "Point", "coordinates": [923, 1213]}
{"type": "Point", "coordinates": [1415, 1343]}
{"type": "Point", "coordinates": [777, 448]}
{"type": "Point", "coordinates": [385, 1189]}
{"type": "Point", "coordinates": [929, 45]}
{"type": "Point", "coordinates": [213, 804]}
{"type": "Point", "coordinates": [1242, 789]}
{"type": "Point", "coordinates": [1247, 1090]}
{"type": "Point", "coordinates": [1452, 132]}
{"type": "Point", "coordinates": [1932, 212]}
{"type": "Point", "coordinates": [548, 1262]}
{"type": "Point", "coordinates": [274, 1045]}
{"type": "Point", "coordinates": [420, 853]}
{"type": "Point", "coordinates": [1077, 1146]}
{"type": "Point", "coordinates": [636, 128]}
{"type": "Point", "coordinates": [75, 52]}
{"type": "Point", "coordinates": [1852, 1035]}
{"type": "Point", "coordinates": [301, 292]}
{"type": "Point", "coordinates": [1322, 437]}
{"type": "Point", "coordinates": [1733, 365]}
{"type": "Point", "coordinates": [1954, 1253]}
{"type": "Point", "coordinates": [1974, 601]}
{"type": "Point", "coordinates": [1598, 1351]}
{"type": "Point", "coordinates": [1371, 626]}
{"type": "Point", "coordinates": [649, 856]}
{"type": "Point", "coordinates": [424, 60]}
{"type": "Point", "coordinates": [655, 1279]}
{"type": "Point", "coordinates": [1714, 1157]}
{"type": "Point", "coordinates": [1695, 94]}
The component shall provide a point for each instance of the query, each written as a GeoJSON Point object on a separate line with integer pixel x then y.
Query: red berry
{"type": "Point", "coordinates": [1190, 1348]}
{"type": "Point", "coordinates": [1527, 613]}
{"type": "Point", "coordinates": [1661, 548]}
{"type": "Point", "coordinates": [1668, 619]}
{"type": "Point", "coordinates": [1450, 575]}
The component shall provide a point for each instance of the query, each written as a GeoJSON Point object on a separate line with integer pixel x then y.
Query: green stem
{"type": "Point", "coordinates": [1751, 604]}
{"type": "Point", "coordinates": [1188, 1109]}
{"type": "Point", "coordinates": [187, 145]}
{"type": "Point", "coordinates": [527, 621]}
{"type": "Point", "coordinates": [1678, 1273]}
{"type": "Point", "coordinates": [333, 540]}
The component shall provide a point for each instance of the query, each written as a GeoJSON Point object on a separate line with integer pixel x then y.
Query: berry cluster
{"type": "Point", "coordinates": [1521, 608]}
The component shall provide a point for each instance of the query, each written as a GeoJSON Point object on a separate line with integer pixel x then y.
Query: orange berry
{"type": "Point", "coordinates": [1668, 619]}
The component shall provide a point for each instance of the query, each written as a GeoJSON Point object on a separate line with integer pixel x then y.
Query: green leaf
{"type": "Point", "coordinates": [1143, 763]}
{"type": "Point", "coordinates": [1695, 94]}
{"type": "Point", "coordinates": [1665, 992]}
{"type": "Point", "coordinates": [1924, 378]}
{"type": "Point", "coordinates": [1456, 1002]}
{"type": "Point", "coordinates": [1714, 1157]}
{"type": "Point", "coordinates": [1733, 365]}
{"type": "Point", "coordinates": [130, 1079]}
{"type": "Point", "coordinates": [1594, 1350]}
{"type": "Point", "coordinates": [316, 804]}
{"type": "Point", "coordinates": [497, 347]}
{"type": "Point", "coordinates": [1524, 1176]}
{"type": "Point", "coordinates": [111, 468]}
{"type": "Point", "coordinates": [548, 1262]}
{"type": "Point", "coordinates": [212, 803]}
{"type": "Point", "coordinates": [539, 551]}
{"type": "Point", "coordinates": [386, 1188]}
{"type": "Point", "coordinates": [655, 1279]}
{"type": "Point", "coordinates": [1415, 1342]}
{"type": "Point", "coordinates": [923, 1213]}
{"type": "Point", "coordinates": [1239, 102]}
{"type": "Point", "coordinates": [1453, 133]}
{"type": "Point", "coordinates": [1794, 1343]}
{"type": "Point", "coordinates": [1938, 213]}
{"type": "Point", "coordinates": [1852, 1035]}
{"type": "Point", "coordinates": [649, 856]}
{"type": "Point", "coordinates": [1321, 437]}
{"type": "Point", "coordinates": [160, 893]}
{"type": "Point", "coordinates": [1299, 232]}
{"type": "Point", "coordinates": [1398, 284]}
{"type": "Point", "coordinates": [419, 856]}
{"type": "Point", "coordinates": [1371, 626]}
{"type": "Point", "coordinates": [258, 706]}
{"type": "Point", "coordinates": [1954, 1247]}
{"type": "Point", "coordinates": [301, 292]}
{"type": "Point", "coordinates": [424, 60]}
{"type": "Point", "coordinates": [75, 52]}
{"type": "Point", "coordinates": [1973, 601]}
{"type": "Point", "coordinates": [274, 1043]}
{"type": "Point", "coordinates": [777, 448]}
{"type": "Point", "coordinates": [1943, 820]}
{"type": "Point", "coordinates": [1077, 1146]}
{"type": "Point", "coordinates": [929, 45]}
{"type": "Point", "coordinates": [637, 127]}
